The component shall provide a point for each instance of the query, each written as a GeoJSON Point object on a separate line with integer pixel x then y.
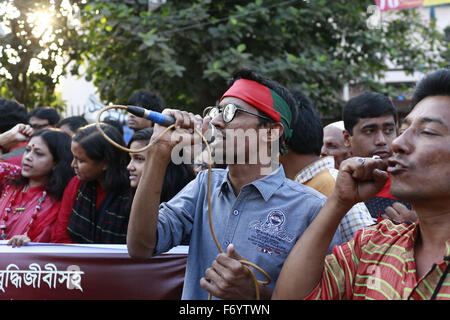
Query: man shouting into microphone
{"type": "Point", "coordinates": [386, 261]}
{"type": "Point", "coordinates": [257, 215]}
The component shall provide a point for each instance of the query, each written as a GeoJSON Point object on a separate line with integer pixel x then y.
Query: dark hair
{"type": "Point", "coordinates": [115, 123]}
{"type": "Point", "coordinates": [12, 113]}
{"type": "Point", "coordinates": [177, 175]}
{"type": "Point", "coordinates": [366, 105]}
{"type": "Point", "coordinates": [58, 143]}
{"type": "Point", "coordinates": [147, 100]}
{"type": "Point", "coordinates": [307, 132]}
{"type": "Point", "coordinates": [73, 122]}
{"type": "Point", "coordinates": [434, 84]}
{"type": "Point", "coordinates": [99, 149]}
{"type": "Point", "coordinates": [141, 135]}
{"type": "Point", "coordinates": [271, 84]}
{"type": "Point", "coordinates": [45, 113]}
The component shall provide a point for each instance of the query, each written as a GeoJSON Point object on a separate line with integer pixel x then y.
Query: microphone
{"type": "Point", "coordinates": [154, 116]}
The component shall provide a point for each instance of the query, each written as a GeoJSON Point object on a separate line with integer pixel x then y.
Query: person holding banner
{"type": "Point", "coordinates": [95, 207]}
{"type": "Point", "coordinates": [31, 196]}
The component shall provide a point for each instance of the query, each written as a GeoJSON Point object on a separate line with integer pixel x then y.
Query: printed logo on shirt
{"type": "Point", "coordinates": [270, 236]}
{"type": "Point", "coordinates": [276, 218]}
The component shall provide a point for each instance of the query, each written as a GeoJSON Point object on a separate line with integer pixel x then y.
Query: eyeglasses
{"type": "Point", "coordinates": [228, 112]}
{"type": "Point", "coordinates": [38, 126]}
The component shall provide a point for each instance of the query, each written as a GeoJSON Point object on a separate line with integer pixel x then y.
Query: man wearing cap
{"type": "Point", "coordinates": [256, 215]}
{"type": "Point", "coordinates": [334, 143]}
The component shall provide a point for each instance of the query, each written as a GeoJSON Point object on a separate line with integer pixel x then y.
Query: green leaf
{"type": "Point", "coordinates": [292, 57]}
{"type": "Point", "coordinates": [241, 47]}
{"type": "Point", "coordinates": [322, 58]}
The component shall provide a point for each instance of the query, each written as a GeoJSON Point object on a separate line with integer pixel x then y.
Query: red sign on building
{"type": "Point", "coordinates": [386, 5]}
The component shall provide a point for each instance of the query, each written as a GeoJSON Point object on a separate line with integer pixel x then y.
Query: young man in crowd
{"type": "Point", "coordinates": [144, 99]}
{"type": "Point", "coordinates": [43, 118]}
{"type": "Point", "coordinates": [71, 124]}
{"type": "Point", "coordinates": [370, 121]}
{"type": "Point", "coordinates": [386, 261]}
{"type": "Point", "coordinates": [255, 214]}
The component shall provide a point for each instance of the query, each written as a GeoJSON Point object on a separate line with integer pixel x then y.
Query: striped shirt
{"type": "Point", "coordinates": [321, 176]}
{"type": "Point", "coordinates": [378, 264]}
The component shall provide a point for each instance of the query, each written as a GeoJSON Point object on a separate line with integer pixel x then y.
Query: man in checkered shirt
{"type": "Point", "coordinates": [303, 163]}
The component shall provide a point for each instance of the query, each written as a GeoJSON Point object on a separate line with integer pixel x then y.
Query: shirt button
{"type": "Point", "coordinates": [236, 212]}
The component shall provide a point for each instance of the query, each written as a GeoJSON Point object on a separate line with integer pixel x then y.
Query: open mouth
{"type": "Point", "coordinates": [382, 154]}
{"type": "Point", "coordinates": [396, 167]}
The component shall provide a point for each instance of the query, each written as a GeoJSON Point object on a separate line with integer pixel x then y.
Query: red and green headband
{"type": "Point", "coordinates": [264, 99]}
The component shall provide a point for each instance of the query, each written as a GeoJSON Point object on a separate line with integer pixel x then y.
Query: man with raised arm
{"type": "Point", "coordinates": [257, 213]}
{"type": "Point", "coordinates": [386, 261]}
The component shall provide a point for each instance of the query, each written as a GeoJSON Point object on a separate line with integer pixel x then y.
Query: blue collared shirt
{"type": "Point", "coordinates": [263, 222]}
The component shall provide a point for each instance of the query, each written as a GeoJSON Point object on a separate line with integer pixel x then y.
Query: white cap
{"type": "Point", "coordinates": [337, 124]}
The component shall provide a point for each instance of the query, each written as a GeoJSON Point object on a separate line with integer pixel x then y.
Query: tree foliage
{"type": "Point", "coordinates": [38, 43]}
{"type": "Point", "coordinates": [447, 45]}
{"type": "Point", "coordinates": [186, 50]}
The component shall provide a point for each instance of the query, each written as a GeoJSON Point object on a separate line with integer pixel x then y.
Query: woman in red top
{"type": "Point", "coordinates": [30, 196]}
{"type": "Point", "coordinates": [96, 203]}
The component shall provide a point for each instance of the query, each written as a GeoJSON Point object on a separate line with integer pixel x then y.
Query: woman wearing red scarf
{"type": "Point", "coordinates": [30, 196]}
{"type": "Point", "coordinates": [96, 203]}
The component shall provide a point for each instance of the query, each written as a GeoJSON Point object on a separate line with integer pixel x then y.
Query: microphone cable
{"type": "Point", "coordinates": [246, 263]}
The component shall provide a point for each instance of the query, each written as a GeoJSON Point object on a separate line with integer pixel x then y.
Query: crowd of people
{"type": "Point", "coordinates": [357, 209]}
{"type": "Point", "coordinates": [65, 181]}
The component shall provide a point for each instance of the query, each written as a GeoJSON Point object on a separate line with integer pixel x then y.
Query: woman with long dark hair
{"type": "Point", "coordinates": [31, 196]}
{"type": "Point", "coordinates": [95, 207]}
{"type": "Point", "coordinates": [177, 175]}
